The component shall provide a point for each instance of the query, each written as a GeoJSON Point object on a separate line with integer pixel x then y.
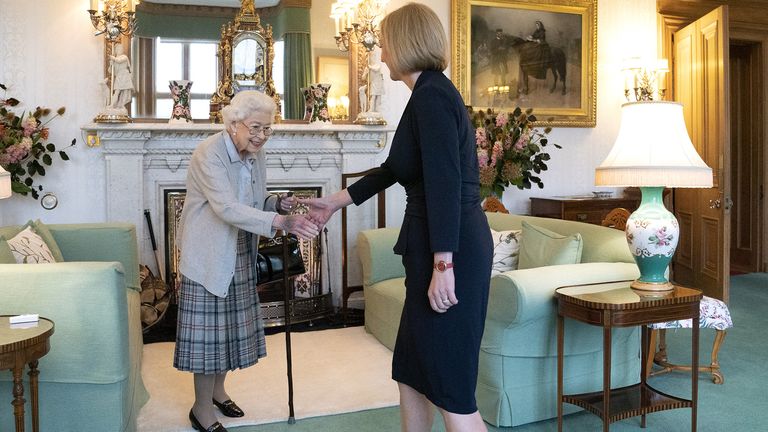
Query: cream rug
{"type": "Point", "coordinates": [334, 371]}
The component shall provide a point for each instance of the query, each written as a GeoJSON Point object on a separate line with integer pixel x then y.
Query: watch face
{"type": "Point", "coordinates": [49, 201]}
{"type": "Point", "coordinates": [441, 266]}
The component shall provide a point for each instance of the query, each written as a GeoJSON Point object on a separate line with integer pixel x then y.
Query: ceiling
{"type": "Point", "coordinates": [222, 3]}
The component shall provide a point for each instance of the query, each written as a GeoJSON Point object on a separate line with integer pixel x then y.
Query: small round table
{"type": "Point", "coordinates": [22, 344]}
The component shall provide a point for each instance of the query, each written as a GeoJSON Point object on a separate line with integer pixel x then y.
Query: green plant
{"type": "Point", "coordinates": [24, 152]}
{"type": "Point", "coordinates": [510, 150]}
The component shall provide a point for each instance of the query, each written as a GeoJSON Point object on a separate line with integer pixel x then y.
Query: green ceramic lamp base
{"type": "Point", "coordinates": [652, 235]}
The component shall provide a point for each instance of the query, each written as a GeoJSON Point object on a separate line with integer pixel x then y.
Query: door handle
{"type": "Point", "coordinates": [714, 204]}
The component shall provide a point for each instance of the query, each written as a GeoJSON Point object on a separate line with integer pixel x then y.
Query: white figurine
{"type": "Point", "coordinates": [122, 80]}
{"type": "Point", "coordinates": [375, 80]}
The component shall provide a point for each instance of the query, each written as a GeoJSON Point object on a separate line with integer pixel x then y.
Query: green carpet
{"type": "Point", "coordinates": [738, 405]}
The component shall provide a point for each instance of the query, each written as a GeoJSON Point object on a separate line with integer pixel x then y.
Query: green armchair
{"type": "Point", "coordinates": [90, 380]}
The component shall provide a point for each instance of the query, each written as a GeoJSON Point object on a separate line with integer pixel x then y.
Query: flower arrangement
{"type": "Point", "coordinates": [510, 150]}
{"type": "Point", "coordinates": [23, 149]}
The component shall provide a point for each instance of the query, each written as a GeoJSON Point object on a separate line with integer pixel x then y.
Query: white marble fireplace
{"type": "Point", "coordinates": [142, 160]}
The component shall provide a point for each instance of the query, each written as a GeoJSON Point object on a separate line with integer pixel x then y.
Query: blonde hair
{"type": "Point", "coordinates": [245, 104]}
{"type": "Point", "coordinates": [415, 39]}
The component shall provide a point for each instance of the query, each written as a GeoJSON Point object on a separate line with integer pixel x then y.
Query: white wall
{"type": "Point", "coordinates": [49, 56]}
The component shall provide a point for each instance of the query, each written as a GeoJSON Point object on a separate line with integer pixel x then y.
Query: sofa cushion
{"type": "Point", "coordinates": [6, 256]}
{"type": "Point", "coordinates": [29, 248]}
{"type": "Point", "coordinates": [541, 247]}
{"type": "Point", "coordinates": [38, 228]}
{"type": "Point", "coordinates": [506, 248]}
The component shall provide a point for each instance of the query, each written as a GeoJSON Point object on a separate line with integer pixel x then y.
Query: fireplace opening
{"type": "Point", "coordinates": [308, 300]}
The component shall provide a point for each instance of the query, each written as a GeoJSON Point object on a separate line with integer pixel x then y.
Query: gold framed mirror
{"type": "Point", "coordinates": [245, 55]}
{"type": "Point", "coordinates": [180, 41]}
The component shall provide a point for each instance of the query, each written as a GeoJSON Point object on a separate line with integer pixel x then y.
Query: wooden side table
{"type": "Point", "coordinates": [615, 304]}
{"type": "Point", "coordinates": [20, 345]}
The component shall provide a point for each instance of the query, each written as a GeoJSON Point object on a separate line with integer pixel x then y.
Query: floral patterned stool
{"type": "Point", "coordinates": [714, 314]}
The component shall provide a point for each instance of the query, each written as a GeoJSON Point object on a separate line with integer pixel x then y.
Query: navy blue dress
{"type": "Point", "coordinates": [433, 157]}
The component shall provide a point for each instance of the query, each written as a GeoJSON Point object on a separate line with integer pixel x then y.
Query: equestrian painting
{"type": "Point", "coordinates": [524, 53]}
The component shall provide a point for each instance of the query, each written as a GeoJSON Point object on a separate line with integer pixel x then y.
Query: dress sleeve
{"type": "Point", "coordinates": [438, 138]}
{"type": "Point", "coordinates": [371, 184]}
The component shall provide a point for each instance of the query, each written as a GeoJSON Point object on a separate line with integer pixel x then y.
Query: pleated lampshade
{"type": "Point", "coordinates": [5, 183]}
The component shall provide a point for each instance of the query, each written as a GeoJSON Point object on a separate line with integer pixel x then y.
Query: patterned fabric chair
{"type": "Point", "coordinates": [713, 313]}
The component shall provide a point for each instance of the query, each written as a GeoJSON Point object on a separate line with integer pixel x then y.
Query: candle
{"type": "Point", "coordinates": [94, 5]}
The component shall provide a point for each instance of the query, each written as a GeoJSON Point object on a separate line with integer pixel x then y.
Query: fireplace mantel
{"type": "Point", "coordinates": [144, 159]}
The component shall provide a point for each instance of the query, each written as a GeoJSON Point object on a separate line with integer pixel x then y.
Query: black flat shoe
{"type": "Point", "coordinates": [216, 427]}
{"type": "Point", "coordinates": [229, 408]}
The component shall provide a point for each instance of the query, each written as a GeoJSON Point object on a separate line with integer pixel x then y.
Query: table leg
{"type": "Point", "coordinates": [606, 378]}
{"type": "Point", "coordinates": [695, 370]}
{"type": "Point", "coordinates": [18, 398]}
{"type": "Point", "coordinates": [33, 373]}
{"type": "Point", "coordinates": [560, 347]}
{"type": "Point", "coordinates": [645, 349]}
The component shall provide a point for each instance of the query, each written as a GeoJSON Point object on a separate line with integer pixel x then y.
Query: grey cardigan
{"type": "Point", "coordinates": [212, 214]}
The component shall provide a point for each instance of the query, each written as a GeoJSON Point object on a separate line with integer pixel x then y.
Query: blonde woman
{"type": "Point", "coordinates": [226, 209]}
{"type": "Point", "coordinates": [445, 241]}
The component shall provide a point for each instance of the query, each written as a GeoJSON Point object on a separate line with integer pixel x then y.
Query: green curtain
{"type": "Point", "coordinates": [297, 72]}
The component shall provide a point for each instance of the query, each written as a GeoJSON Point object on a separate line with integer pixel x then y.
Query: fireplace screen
{"type": "Point", "coordinates": [308, 302]}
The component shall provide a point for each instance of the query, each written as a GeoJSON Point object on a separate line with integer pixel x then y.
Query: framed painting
{"type": "Point", "coordinates": [528, 54]}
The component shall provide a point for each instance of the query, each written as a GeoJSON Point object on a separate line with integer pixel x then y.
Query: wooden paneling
{"type": "Point", "coordinates": [746, 154]}
{"type": "Point", "coordinates": [700, 84]}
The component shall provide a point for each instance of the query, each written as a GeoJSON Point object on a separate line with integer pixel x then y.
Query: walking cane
{"type": "Point", "coordinates": [287, 307]}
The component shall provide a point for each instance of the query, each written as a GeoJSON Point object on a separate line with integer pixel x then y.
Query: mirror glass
{"type": "Point", "coordinates": [248, 62]}
{"type": "Point", "coordinates": [177, 40]}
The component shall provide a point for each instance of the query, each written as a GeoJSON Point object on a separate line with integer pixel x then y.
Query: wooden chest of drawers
{"type": "Point", "coordinates": [580, 208]}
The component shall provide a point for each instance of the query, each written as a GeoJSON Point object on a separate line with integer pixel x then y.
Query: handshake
{"type": "Point", "coordinates": [309, 225]}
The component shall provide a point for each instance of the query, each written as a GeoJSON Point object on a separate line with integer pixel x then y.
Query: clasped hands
{"type": "Point", "coordinates": [441, 293]}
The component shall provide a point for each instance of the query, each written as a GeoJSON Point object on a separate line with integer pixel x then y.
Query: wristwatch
{"type": "Point", "coordinates": [442, 266]}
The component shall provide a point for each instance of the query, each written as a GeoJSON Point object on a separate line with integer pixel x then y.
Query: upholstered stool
{"type": "Point", "coordinates": [713, 313]}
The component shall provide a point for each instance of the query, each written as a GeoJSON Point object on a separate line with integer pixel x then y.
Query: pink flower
{"type": "Point", "coordinates": [496, 152]}
{"type": "Point", "coordinates": [522, 142]}
{"type": "Point", "coordinates": [482, 142]}
{"type": "Point", "coordinates": [324, 114]}
{"type": "Point", "coordinates": [30, 126]}
{"type": "Point", "coordinates": [482, 158]}
{"type": "Point", "coordinates": [502, 119]}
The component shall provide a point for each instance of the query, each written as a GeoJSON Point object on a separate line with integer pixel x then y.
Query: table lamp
{"type": "Point", "coordinates": [5, 183]}
{"type": "Point", "coordinates": [653, 151]}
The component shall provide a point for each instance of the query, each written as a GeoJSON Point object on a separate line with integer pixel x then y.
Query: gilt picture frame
{"type": "Point", "coordinates": [528, 54]}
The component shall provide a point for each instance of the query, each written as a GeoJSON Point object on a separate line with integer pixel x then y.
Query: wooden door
{"type": "Point", "coordinates": [746, 155]}
{"type": "Point", "coordinates": [700, 59]}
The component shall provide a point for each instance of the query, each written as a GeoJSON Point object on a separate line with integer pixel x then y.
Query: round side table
{"type": "Point", "coordinates": [24, 344]}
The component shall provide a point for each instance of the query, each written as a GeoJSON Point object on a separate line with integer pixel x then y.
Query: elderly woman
{"type": "Point", "coordinates": [226, 209]}
{"type": "Point", "coordinates": [445, 240]}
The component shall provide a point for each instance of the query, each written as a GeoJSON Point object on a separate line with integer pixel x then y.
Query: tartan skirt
{"type": "Point", "coordinates": [215, 335]}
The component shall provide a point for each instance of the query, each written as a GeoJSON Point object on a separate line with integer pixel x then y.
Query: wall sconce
{"type": "Point", "coordinates": [357, 22]}
{"type": "Point", "coordinates": [114, 19]}
{"type": "Point", "coordinates": [644, 80]}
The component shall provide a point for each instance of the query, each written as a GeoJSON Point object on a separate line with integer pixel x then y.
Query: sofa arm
{"type": "Point", "coordinates": [518, 296]}
{"type": "Point", "coordinates": [87, 301]}
{"type": "Point", "coordinates": [111, 241]}
{"type": "Point", "coordinates": [379, 261]}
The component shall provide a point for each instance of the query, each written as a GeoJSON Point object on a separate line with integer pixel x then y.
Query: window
{"type": "Point", "coordinates": [194, 61]}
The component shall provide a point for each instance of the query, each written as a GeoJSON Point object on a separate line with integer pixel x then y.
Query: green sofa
{"type": "Point", "coordinates": [90, 380]}
{"type": "Point", "coordinates": [517, 381]}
